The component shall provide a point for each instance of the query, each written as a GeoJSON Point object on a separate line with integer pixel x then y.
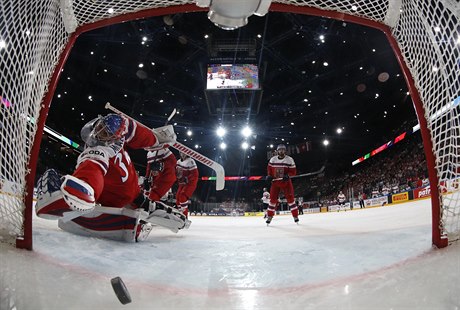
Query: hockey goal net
{"type": "Point", "coordinates": [36, 37]}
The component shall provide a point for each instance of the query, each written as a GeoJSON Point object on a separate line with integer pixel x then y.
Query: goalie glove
{"type": "Point", "coordinates": [78, 194]}
{"type": "Point", "coordinates": [165, 134]}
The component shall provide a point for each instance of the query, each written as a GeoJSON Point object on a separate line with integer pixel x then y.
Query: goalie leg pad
{"type": "Point", "coordinates": [78, 194]}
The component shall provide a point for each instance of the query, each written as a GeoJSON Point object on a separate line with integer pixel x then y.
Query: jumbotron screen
{"type": "Point", "coordinates": [232, 76]}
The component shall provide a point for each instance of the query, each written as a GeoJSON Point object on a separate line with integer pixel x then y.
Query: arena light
{"type": "Point", "coordinates": [326, 142]}
{"type": "Point", "coordinates": [246, 131]}
{"type": "Point", "coordinates": [221, 131]}
{"type": "Point", "coordinates": [244, 145]}
{"type": "Point", "coordinates": [223, 146]}
{"type": "Point", "coordinates": [230, 15]}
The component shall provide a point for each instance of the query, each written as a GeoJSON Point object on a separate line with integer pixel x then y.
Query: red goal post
{"type": "Point", "coordinates": [36, 38]}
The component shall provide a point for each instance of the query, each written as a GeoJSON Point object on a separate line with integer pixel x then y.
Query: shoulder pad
{"type": "Point", "coordinates": [98, 154]}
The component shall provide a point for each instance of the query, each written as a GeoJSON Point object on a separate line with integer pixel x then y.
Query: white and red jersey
{"type": "Point", "coordinates": [266, 197]}
{"type": "Point", "coordinates": [109, 170]}
{"type": "Point", "coordinates": [385, 190]}
{"type": "Point", "coordinates": [163, 155]}
{"type": "Point", "coordinates": [186, 171]}
{"type": "Point", "coordinates": [279, 167]}
{"type": "Point", "coordinates": [158, 155]}
{"type": "Point", "coordinates": [375, 193]}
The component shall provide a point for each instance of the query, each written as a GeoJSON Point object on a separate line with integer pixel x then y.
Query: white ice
{"type": "Point", "coordinates": [379, 258]}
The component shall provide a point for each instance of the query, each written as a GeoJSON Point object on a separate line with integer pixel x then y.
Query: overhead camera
{"type": "Point", "coordinates": [231, 15]}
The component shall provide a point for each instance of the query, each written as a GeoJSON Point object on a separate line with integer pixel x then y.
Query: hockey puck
{"type": "Point", "coordinates": [120, 290]}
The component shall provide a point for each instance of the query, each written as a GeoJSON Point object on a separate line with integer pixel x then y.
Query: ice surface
{"type": "Point", "coordinates": [379, 258]}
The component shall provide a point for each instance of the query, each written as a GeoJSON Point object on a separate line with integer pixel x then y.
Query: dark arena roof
{"type": "Point", "coordinates": [315, 76]}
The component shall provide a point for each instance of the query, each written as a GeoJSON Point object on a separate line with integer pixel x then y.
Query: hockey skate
{"type": "Point", "coordinates": [269, 220]}
{"type": "Point", "coordinates": [296, 220]}
{"type": "Point", "coordinates": [167, 217]}
{"type": "Point", "coordinates": [144, 231]}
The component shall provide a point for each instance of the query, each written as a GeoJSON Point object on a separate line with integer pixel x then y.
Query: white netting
{"type": "Point", "coordinates": [428, 34]}
{"type": "Point", "coordinates": [34, 33]}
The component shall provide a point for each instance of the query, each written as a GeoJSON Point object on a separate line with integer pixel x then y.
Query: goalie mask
{"type": "Point", "coordinates": [104, 130]}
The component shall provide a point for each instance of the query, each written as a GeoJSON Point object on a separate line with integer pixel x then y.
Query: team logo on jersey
{"type": "Point", "coordinates": [96, 152]}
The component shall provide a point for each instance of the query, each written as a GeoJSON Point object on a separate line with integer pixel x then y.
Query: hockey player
{"type": "Point", "coordinates": [105, 175]}
{"type": "Point", "coordinates": [160, 174]}
{"type": "Point", "coordinates": [341, 199]}
{"type": "Point", "coordinates": [280, 168]}
{"type": "Point", "coordinates": [187, 177]}
{"type": "Point", "coordinates": [265, 201]}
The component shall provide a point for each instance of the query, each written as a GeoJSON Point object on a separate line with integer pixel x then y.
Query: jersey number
{"type": "Point", "coordinates": [119, 161]}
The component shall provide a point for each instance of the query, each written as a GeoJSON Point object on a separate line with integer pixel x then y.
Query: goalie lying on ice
{"type": "Point", "coordinates": [105, 176]}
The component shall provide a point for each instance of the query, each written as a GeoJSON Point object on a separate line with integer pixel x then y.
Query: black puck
{"type": "Point", "coordinates": [120, 290]}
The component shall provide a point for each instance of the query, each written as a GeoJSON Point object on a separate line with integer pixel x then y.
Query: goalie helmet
{"type": "Point", "coordinates": [104, 130]}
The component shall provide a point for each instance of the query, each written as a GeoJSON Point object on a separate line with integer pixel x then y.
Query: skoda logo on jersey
{"type": "Point", "coordinates": [96, 152]}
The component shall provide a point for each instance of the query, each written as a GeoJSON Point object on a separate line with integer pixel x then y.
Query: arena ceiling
{"type": "Point", "coordinates": [316, 75]}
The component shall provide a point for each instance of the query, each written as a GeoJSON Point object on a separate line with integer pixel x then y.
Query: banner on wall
{"type": "Point", "coordinates": [374, 202]}
{"type": "Point", "coordinates": [422, 192]}
{"type": "Point", "coordinates": [401, 197]}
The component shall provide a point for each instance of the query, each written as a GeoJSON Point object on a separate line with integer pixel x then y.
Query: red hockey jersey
{"type": "Point", "coordinates": [109, 170]}
{"type": "Point", "coordinates": [187, 171]}
{"type": "Point", "coordinates": [277, 168]}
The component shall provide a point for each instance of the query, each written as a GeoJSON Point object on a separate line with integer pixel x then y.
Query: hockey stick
{"type": "Point", "coordinates": [304, 174]}
{"type": "Point", "coordinates": [169, 117]}
{"type": "Point", "coordinates": [220, 172]}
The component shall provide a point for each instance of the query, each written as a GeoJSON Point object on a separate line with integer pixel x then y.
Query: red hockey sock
{"type": "Point", "coordinates": [294, 211]}
{"type": "Point", "coordinates": [271, 211]}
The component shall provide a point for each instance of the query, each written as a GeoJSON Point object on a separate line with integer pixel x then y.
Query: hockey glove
{"type": "Point", "coordinates": [269, 178]}
{"type": "Point", "coordinates": [156, 166]}
{"type": "Point", "coordinates": [165, 134]}
{"type": "Point", "coordinates": [285, 177]}
{"type": "Point", "coordinates": [78, 194]}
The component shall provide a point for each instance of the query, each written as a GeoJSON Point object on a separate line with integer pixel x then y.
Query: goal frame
{"type": "Point", "coordinates": [438, 239]}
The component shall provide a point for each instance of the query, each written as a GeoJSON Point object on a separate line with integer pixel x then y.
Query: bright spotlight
{"type": "Point", "coordinates": [246, 131]}
{"type": "Point", "coordinates": [339, 130]}
{"type": "Point", "coordinates": [221, 131]}
{"type": "Point", "coordinates": [223, 146]}
{"type": "Point", "coordinates": [244, 145]}
{"type": "Point", "coordinates": [189, 133]}
{"type": "Point", "coordinates": [326, 142]}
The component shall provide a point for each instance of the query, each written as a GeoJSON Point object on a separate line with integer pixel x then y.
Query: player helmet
{"type": "Point", "coordinates": [281, 146]}
{"type": "Point", "coordinates": [104, 130]}
{"type": "Point", "coordinates": [183, 156]}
